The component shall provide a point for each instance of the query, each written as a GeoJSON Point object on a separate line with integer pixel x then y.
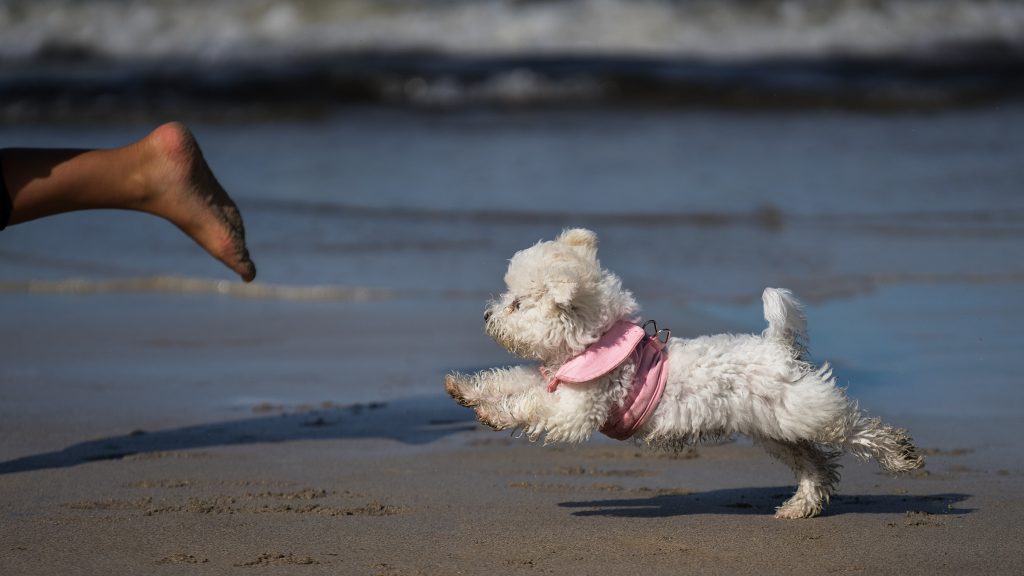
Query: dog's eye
{"type": "Point", "coordinates": [513, 306]}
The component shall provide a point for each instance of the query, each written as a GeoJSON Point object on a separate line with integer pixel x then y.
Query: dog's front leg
{"type": "Point", "coordinates": [526, 409]}
{"type": "Point", "coordinates": [490, 386]}
{"type": "Point", "coordinates": [571, 414]}
{"type": "Point", "coordinates": [502, 397]}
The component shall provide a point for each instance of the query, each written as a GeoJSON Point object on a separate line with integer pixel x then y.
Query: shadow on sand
{"type": "Point", "coordinates": [762, 501]}
{"type": "Point", "coordinates": [411, 421]}
{"type": "Point", "coordinates": [424, 420]}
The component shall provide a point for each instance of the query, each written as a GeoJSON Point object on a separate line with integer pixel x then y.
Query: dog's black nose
{"type": "Point", "coordinates": [487, 315]}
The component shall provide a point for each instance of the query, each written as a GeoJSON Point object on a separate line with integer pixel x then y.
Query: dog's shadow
{"type": "Point", "coordinates": [762, 501]}
{"type": "Point", "coordinates": [410, 421]}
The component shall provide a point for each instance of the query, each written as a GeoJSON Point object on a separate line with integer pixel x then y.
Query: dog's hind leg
{"type": "Point", "coordinates": [817, 473]}
{"type": "Point", "coordinates": [891, 447]}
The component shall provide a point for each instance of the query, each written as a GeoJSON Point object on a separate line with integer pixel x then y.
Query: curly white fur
{"type": "Point", "coordinates": [560, 300]}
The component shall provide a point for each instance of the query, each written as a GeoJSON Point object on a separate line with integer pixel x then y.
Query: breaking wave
{"type": "Point", "coordinates": [242, 58]}
{"type": "Point", "coordinates": [257, 30]}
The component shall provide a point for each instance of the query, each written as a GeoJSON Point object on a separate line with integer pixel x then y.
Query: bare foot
{"type": "Point", "coordinates": [180, 187]}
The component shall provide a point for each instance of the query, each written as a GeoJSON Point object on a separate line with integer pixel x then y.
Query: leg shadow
{"type": "Point", "coordinates": [762, 501]}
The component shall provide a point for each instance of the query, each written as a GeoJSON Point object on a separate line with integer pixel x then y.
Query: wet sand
{"type": "Point", "coordinates": [187, 454]}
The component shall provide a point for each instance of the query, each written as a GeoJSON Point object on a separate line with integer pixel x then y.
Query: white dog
{"type": "Point", "coordinates": [600, 371]}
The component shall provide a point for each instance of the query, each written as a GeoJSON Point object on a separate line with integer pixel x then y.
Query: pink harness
{"type": "Point", "coordinates": [623, 341]}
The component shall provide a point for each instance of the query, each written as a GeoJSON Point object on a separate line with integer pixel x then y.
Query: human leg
{"type": "Point", "coordinates": [163, 174]}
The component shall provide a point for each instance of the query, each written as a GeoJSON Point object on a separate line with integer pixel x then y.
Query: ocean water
{"type": "Point", "coordinates": [67, 60]}
{"type": "Point", "coordinates": [902, 232]}
{"type": "Point", "coordinates": [261, 29]}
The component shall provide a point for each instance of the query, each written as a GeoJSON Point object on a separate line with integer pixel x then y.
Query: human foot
{"type": "Point", "coordinates": [180, 187]}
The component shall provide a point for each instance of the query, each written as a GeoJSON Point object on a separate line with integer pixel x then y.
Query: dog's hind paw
{"type": "Point", "coordinates": [798, 507]}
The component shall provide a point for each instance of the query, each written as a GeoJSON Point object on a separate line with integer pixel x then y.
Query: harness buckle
{"type": "Point", "coordinates": [651, 331]}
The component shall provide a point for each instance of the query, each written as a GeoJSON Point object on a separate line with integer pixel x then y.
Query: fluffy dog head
{"type": "Point", "coordinates": [559, 299]}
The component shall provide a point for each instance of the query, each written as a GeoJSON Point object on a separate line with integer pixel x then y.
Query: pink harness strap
{"type": "Point", "coordinates": [623, 341]}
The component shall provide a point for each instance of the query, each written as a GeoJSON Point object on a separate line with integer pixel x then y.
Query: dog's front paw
{"type": "Point", "coordinates": [454, 384]}
{"type": "Point", "coordinates": [488, 419]}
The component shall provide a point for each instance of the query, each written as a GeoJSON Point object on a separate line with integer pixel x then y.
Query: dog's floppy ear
{"type": "Point", "coordinates": [581, 239]}
{"type": "Point", "coordinates": [561, 291]}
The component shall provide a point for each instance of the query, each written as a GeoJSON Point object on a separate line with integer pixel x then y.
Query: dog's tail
{"type": "Point", "coordinates": [786, 321]}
